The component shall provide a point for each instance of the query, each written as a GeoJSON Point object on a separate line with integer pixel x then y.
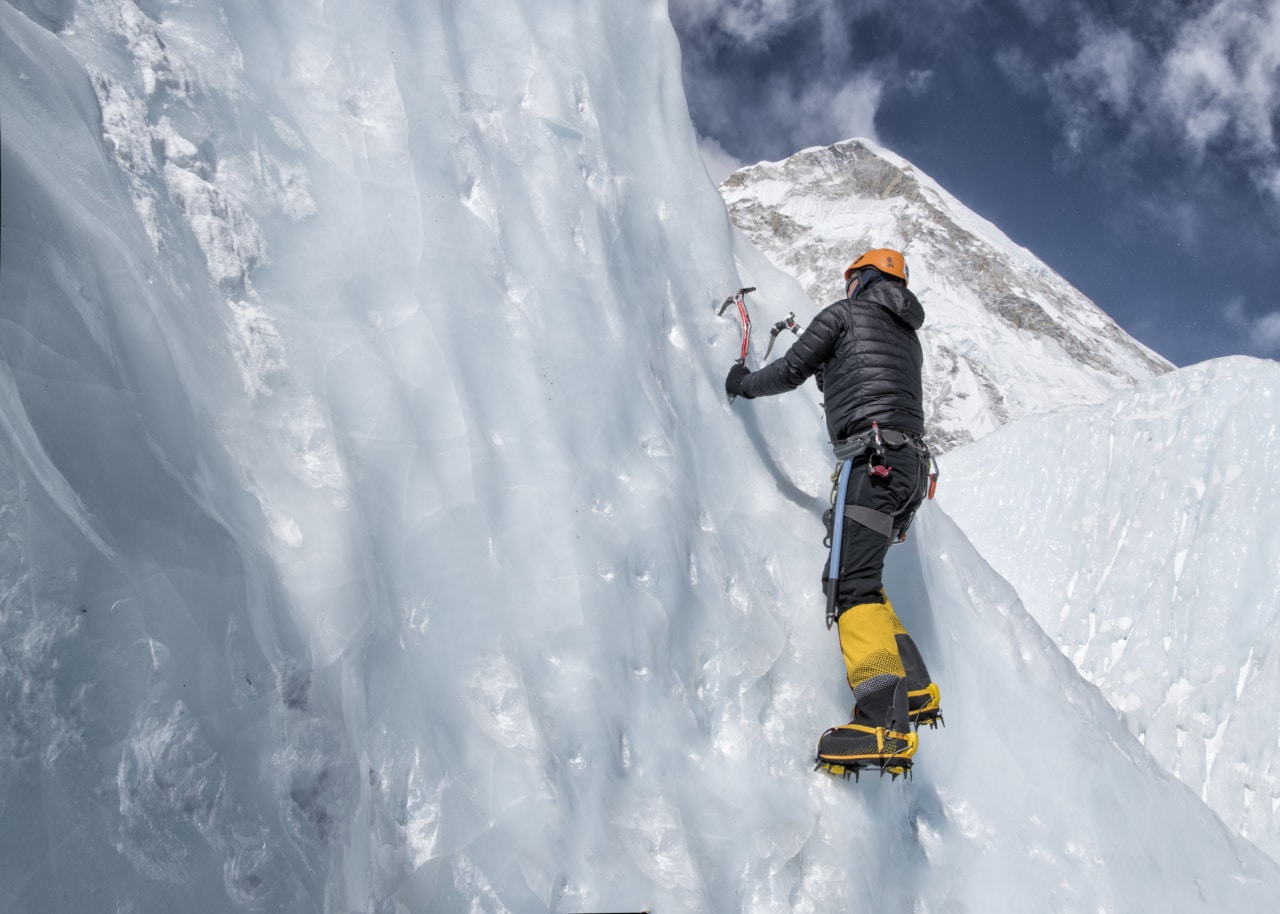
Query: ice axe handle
{"type": "Point", "coordinates": [739, 298]}
{"type": "Point", "coordinates": [837, 541]}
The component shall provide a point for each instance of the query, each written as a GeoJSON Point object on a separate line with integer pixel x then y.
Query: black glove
{"type": "Point", "coordinates": [733, 383]}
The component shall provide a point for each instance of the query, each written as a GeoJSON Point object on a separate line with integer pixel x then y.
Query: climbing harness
{"type": "Point", "coordinates": [872, 445]}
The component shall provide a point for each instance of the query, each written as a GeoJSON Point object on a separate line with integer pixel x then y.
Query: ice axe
{"type": "Point", "coordinates": [787, 323]}
{"type": "Point", "coordinates": [740, 299]}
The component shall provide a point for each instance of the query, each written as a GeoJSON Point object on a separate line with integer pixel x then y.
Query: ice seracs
{"type": "Point", "coordinates": [1143, 537]}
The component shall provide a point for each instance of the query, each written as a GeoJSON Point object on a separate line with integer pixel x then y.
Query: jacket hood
{"type": "Point", "coordinates": [895, 298]}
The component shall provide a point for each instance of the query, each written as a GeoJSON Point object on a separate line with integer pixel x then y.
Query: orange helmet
{"type": "Point", "coordinates": [886, 260]}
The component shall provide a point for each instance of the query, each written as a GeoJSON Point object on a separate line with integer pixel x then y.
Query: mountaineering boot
{"type": "Point", "coordinates": [852, 747]}
{"type": "Point", "coordinates": [877, 651]}
{"type": "Point", "coordinates": [882, 741]}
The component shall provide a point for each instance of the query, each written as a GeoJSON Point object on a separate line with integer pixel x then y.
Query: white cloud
{"type": "Point", "coordinates": [1105, 72]}
{"type": "Point", "coordinates": [818, 114]}
{"type": "Point", "coordinates": [1221, 80]}
{"type": "Point", "coordinates": [1266, 333]}
{"type": "Point", "coordinates": [1110, 62]}
{"type": "Point", "coordinates": [1202, 87]}
{"type": "Point", "coordinates": [779, 110]}
{"type": "Point", "coordinates": [852, 109]}
{"type": "Point", "coordinates": [1217, 82]}
{"type": "Point", "coordinates": [756, 22]}
{"type": "Point", "coordinates": [1268, 179]}
{"type": "Point", "coordinates": [746, 21]}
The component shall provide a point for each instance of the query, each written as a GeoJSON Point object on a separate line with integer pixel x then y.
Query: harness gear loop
{"type": "Point", "coordinates": [850, 449]}
{"type": "Point", "coordinates": [876, 465]}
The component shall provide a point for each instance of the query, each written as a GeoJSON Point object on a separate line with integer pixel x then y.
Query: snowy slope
{"type": "Point", "coordinates": [1004, 335]}
{"type": "Point", "coordinates": [1142, 534]}
{"type": "Point", "coordinates": [377, 537]}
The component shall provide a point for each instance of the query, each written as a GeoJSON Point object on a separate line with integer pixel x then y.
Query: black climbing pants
{"type": "Point", "coordinates": [881, 509]}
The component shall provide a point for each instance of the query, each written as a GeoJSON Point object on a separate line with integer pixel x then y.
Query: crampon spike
{"type": "Point", "coordinates": [930, 722]}
{"type": "Point", "coordinates": [847, 770]}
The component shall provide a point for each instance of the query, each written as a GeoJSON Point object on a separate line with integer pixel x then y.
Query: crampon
{"type": "Point", "coordinates": [850, 749]}
{"type": "Point", "coordinates": [853, 770]}
{"type": "Point", "coordinates": [931, 719]}
{"type": "Point", "coordinates": [925, 707]}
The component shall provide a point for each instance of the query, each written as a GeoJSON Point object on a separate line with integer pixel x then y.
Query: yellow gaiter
{"type": "Point", "coordinates": [867, 640]}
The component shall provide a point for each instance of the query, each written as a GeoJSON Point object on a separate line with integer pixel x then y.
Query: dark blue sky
{"type": "Point", "coordinates": [1132, 147]}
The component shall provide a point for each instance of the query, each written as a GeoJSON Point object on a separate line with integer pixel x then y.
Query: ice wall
{"type": "Point", "coordinates": [377, 537]}
{"type": "Point", "coordinates": [1143, 536]}
{"type": "Point", "coordinates": [362, 432]}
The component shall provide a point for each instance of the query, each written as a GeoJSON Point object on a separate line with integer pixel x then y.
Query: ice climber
{"type": "Point", "coordinates": [867, 358]}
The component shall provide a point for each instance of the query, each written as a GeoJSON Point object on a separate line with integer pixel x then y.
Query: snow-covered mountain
{"type": "Point", "coordinates": [1004, 335]}
{"type": "Point", "coordinates": [1142, 534]}
{"type": "Point", "coordinates": [377, 537]}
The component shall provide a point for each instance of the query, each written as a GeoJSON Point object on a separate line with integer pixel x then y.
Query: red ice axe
{"type": "Point", "coordinates": [740, 299]}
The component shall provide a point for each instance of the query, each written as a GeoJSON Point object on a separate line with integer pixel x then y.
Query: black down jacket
{"type": "Point", "coordinates": [867, 357]}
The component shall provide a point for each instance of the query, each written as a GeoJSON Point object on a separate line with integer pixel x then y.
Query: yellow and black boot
{"type": "Point", "coordinates": [852, 748]}
{"type": "Point", "coordinates": [879, 736]}
{"type": "Point", "coordinates": [860, 744]}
